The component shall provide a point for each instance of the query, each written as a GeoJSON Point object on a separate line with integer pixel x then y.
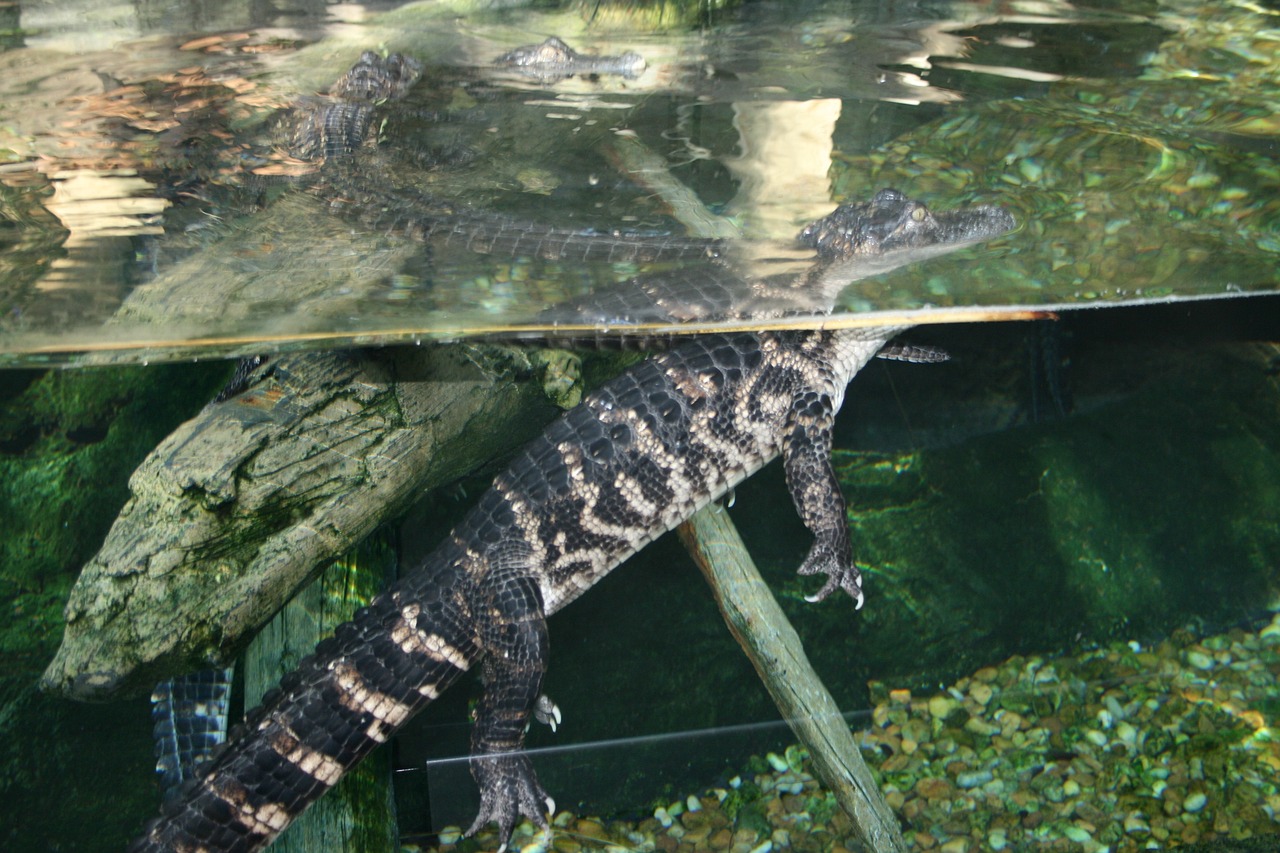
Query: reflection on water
{"type": "Point", "coordinates": [1138, 163]}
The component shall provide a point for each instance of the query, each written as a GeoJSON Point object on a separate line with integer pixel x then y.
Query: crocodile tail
{"type": "Point", "coordinates": [371, 677]}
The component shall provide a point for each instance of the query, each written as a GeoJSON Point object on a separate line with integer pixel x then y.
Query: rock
{"type": "Point", "coordinates": [934, 788]}
{"type": "Point", "coordinates": [941, 707]}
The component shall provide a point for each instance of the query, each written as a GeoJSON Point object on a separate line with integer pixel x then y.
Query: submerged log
{"type": "Point", "coordinates": [238, 508]}
{"type": "Point", "coordinates": [762, 629]}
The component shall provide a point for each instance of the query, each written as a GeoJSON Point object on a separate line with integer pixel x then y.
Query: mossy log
{"type": "Point", "coordinates": [762, 629]}
{"type": "Point", "coordinates": [238, 508]}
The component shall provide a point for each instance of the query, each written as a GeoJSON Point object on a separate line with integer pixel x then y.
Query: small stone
{"type": "Point", "coordinates": [956, 845]}
{"type": "Point", "coordinates": [777, 762]}
{"type": "Point", "coordinates": [973, 778]}
{"type": "Point", "coordinates": [591, 829]}
{"type": "Point", "coordinates": [1194, 802]}
{"type": "Point", "coordinates": [1095, 737]}
{"type": "Point", "coordinates": [721, 839]}
{"type": "Point", "coordinates": [1078, 834]}
{"type": "Point", "coordinates": [1199, 659]}
{"type": "Point", "coordinates": [981, 693]}
{"type": "Point", "coordinates": [450, 835]}
{"type": "Point", "coordinates": [693, 804]}
{"type": "Point", "coordinates": [997, 839]}
{"type": "Point", "coordinates": [940, 707]}
{"type": "Point", "coordinates": [933, 788]}
{"type": "Point", "coordinates": [1134, 824]}
{"type": "Point", "coordinates": [900, 697]}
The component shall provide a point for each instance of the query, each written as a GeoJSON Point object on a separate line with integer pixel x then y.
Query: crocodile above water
{"type": "Point", "coordinates": [555, 60]}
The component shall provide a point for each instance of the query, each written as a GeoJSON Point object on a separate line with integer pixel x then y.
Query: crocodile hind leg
{"type": "Point", "coordinates": [514, 637]}
{"type": "Point", "coordinates": [806, 459]}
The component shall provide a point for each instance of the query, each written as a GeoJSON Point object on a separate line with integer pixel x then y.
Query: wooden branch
{"type": "Point", "coordinates": [762, 629]}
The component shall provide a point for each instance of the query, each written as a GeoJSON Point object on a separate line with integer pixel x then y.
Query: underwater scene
{"type": "Point", "coordinates": [286, 289]}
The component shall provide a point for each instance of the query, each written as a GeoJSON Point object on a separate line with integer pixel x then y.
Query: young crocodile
{"type": "Point", "coordinates": [640, 455]}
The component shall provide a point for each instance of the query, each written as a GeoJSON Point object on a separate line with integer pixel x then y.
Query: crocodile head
{"type": "Point", "coordinates": [891, 222]}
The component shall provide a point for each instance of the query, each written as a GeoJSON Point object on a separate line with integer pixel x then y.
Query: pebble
{"type": "Point", "coordinates": [973, 778]}
{"type": "Point", "coordinates": [1014, 780]}
{"type": "Point", "coordinates": [1095, 737]}
{"type": "Point", "coordinates": [940, 707]}
{"type": "Point", "coordinates": [1199, 659]}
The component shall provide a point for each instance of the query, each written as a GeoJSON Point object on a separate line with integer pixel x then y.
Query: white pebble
{"type": "Point", "coordinates": [1077, 834]}
{"type": "Point", "coordinates": [1194, 802]}
{"type": "Point", "coordinates": [973, 778]}
{"type": "Point", "coordinates": [663, 816]}
{"type": "Point", "coordinates": [693, 804]}
{"type": "Point", "coordinates": [1095, 737]}
{"type": "Point", "coordinates": [450, 835]}
{"type": "Point", "coordinates": [767, 847]}
{"type": "Point", "coordinates": [777, 762]}
{"type": "Point", "coordinates": [997, 840]}
{"type": "Point", "coordinates": [1199, 659]}
{"type": "Point", "coordinates": [1134, 823]}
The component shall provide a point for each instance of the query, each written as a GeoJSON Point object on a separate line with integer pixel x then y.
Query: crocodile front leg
{"type": "Point", "coordinates": [514, 636]}
{"type": "Point", "coordinates": [806, 459]}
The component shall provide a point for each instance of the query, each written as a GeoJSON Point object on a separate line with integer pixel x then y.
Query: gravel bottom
{"type": "Point", "coordinates": [1121, 748]}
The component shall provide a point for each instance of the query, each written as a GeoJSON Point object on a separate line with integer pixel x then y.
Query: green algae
{"type": "Point", "coordinates": [68, 441]}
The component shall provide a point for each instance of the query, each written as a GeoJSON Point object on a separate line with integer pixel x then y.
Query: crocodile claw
{"type": "Point", "coordinates": [509, 790]}
{"type": "Point", "coordinates": [841, 574]}
{"type": "Point", "coordinates": [547, 712]}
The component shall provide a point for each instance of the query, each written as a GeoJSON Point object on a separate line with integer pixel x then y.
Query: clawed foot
{"type": "Point", "coordinates": [509, 790]}
{"type": "Point", "coordinates": [546, 712]}
{"type": "Point", "coordinates": [841, 574]}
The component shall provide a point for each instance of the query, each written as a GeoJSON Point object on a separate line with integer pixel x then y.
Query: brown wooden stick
{"type": "Point", "coordinates": [762, 629]}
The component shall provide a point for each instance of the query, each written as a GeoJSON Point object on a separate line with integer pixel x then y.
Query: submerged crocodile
{"type": "Point", "coordinates": [637, 457]}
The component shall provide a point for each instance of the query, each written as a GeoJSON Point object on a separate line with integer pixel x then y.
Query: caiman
{"type": "Point", "coordinates": [637, 457]}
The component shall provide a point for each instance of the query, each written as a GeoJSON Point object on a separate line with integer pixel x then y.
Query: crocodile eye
{"type": "Point", "coordinates": [919, 213]}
